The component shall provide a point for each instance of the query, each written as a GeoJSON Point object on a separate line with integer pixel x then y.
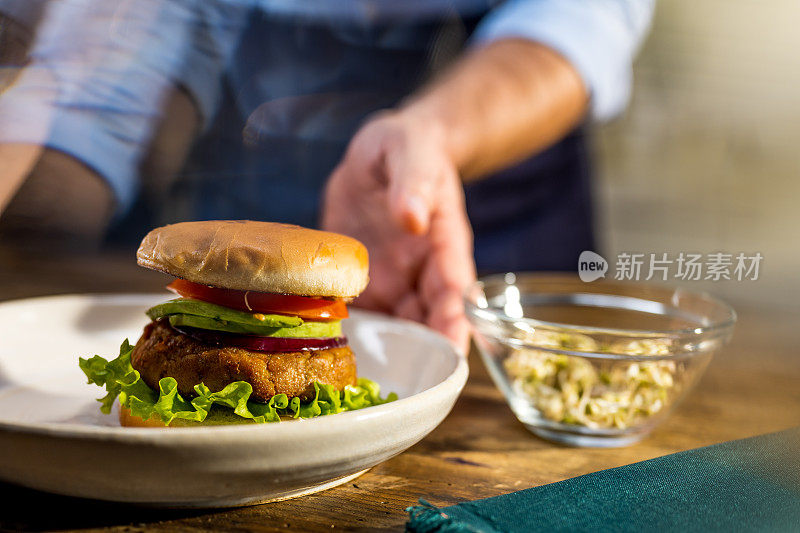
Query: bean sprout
{"type": "Point", "coordinates": [593, 393]}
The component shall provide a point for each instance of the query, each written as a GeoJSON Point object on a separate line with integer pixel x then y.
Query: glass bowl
{"type": "Point", "coordinates": [593, 364]}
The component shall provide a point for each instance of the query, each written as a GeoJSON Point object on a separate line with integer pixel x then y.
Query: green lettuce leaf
{"type": "Point", "coordinates": [122, 381]}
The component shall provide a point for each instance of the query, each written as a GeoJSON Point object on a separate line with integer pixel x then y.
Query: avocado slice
{"type": "Point", "coordinates": [305, 330]}
{"type": "Point", "coordinates": [188, 306]}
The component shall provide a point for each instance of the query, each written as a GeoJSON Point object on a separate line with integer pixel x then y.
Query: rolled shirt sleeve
{"type": "Point", "coordinates": [100, 72]}
{"type": "Point", "coordinates": [598, 37]}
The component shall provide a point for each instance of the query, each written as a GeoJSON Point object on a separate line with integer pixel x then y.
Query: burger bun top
{"type": "Point", "coordinates": [259, 256]}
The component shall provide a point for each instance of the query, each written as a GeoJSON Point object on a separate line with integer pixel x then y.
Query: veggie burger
{"type": "Point", "coordinates": [255, 334]}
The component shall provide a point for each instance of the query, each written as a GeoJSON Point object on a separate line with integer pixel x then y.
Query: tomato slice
{"type": "Point", "coordinates": [262, 302]}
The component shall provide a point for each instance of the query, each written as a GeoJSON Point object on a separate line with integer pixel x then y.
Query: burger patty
{"type": "Point", "coordinates": [163, 352]}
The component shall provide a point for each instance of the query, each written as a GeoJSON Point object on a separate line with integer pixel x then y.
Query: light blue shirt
{"type": "Point", "coordinates": [101, 68]}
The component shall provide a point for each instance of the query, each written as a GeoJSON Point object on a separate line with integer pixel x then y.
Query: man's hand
{"type": "Point", "coordinates": [398, 187]}
{"type": "Point", "coordinates": [398, 191]}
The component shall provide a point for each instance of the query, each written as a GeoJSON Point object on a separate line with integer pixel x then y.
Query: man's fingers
{"type": "Point", "coordinates": [446, 315]}
{"type": "Point", "coordinates": [414, 172]}
{"type": "Point", "coordinates": [410, 308]}
{"type": "Point", "coordinates": [412, 212]}
{"type": "Point", "coordinates": [450, 264]}
{"type": "Point", "coordinates": [410, 200]}
{"type": "Point", "coordinates": [367, 301]}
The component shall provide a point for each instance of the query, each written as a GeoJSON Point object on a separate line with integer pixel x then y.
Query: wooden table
{"type": "Point", "coordinates": [480, 450]}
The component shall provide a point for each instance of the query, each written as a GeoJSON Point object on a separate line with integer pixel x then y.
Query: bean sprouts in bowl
{"type": "Point", "coordinates": [593, 364]}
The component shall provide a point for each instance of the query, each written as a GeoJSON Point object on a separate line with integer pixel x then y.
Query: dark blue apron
{"type": "Point", "coordinates": [296, 93]}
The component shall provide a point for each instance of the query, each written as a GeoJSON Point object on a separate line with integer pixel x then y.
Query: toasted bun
{"type": "Point", "coordinates": [259, 256]}
{"type": "Point", "coordinates": [216, 417]}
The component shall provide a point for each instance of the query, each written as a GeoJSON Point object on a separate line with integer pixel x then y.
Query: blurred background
{"type": "Point", "coordinates": [706, 158]}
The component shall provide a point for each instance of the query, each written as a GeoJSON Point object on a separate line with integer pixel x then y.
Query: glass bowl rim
{"type": "Point", "coordinates": [697, 331]}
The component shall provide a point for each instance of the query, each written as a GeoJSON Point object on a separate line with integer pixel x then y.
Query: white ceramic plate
{"type": "Point", "coordinates": [54, 438]}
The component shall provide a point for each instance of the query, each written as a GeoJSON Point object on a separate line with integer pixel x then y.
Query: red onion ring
{"type": "Point", "coordinates": [261, 344]}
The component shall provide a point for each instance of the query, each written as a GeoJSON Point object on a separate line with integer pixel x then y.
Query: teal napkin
{"type": "Point", "coordinates": [744, 485]}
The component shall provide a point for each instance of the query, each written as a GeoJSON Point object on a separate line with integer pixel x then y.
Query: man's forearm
{"type": "Point", "coordinates": [51, 198]}
{"type": "Point", "coordinates": [500, 104]}
{"type": "Point", "coordinates": [16, 162]}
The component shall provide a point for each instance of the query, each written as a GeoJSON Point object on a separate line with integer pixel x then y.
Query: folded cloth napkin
{"type": "Point", "coordinates": [744, 485]}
